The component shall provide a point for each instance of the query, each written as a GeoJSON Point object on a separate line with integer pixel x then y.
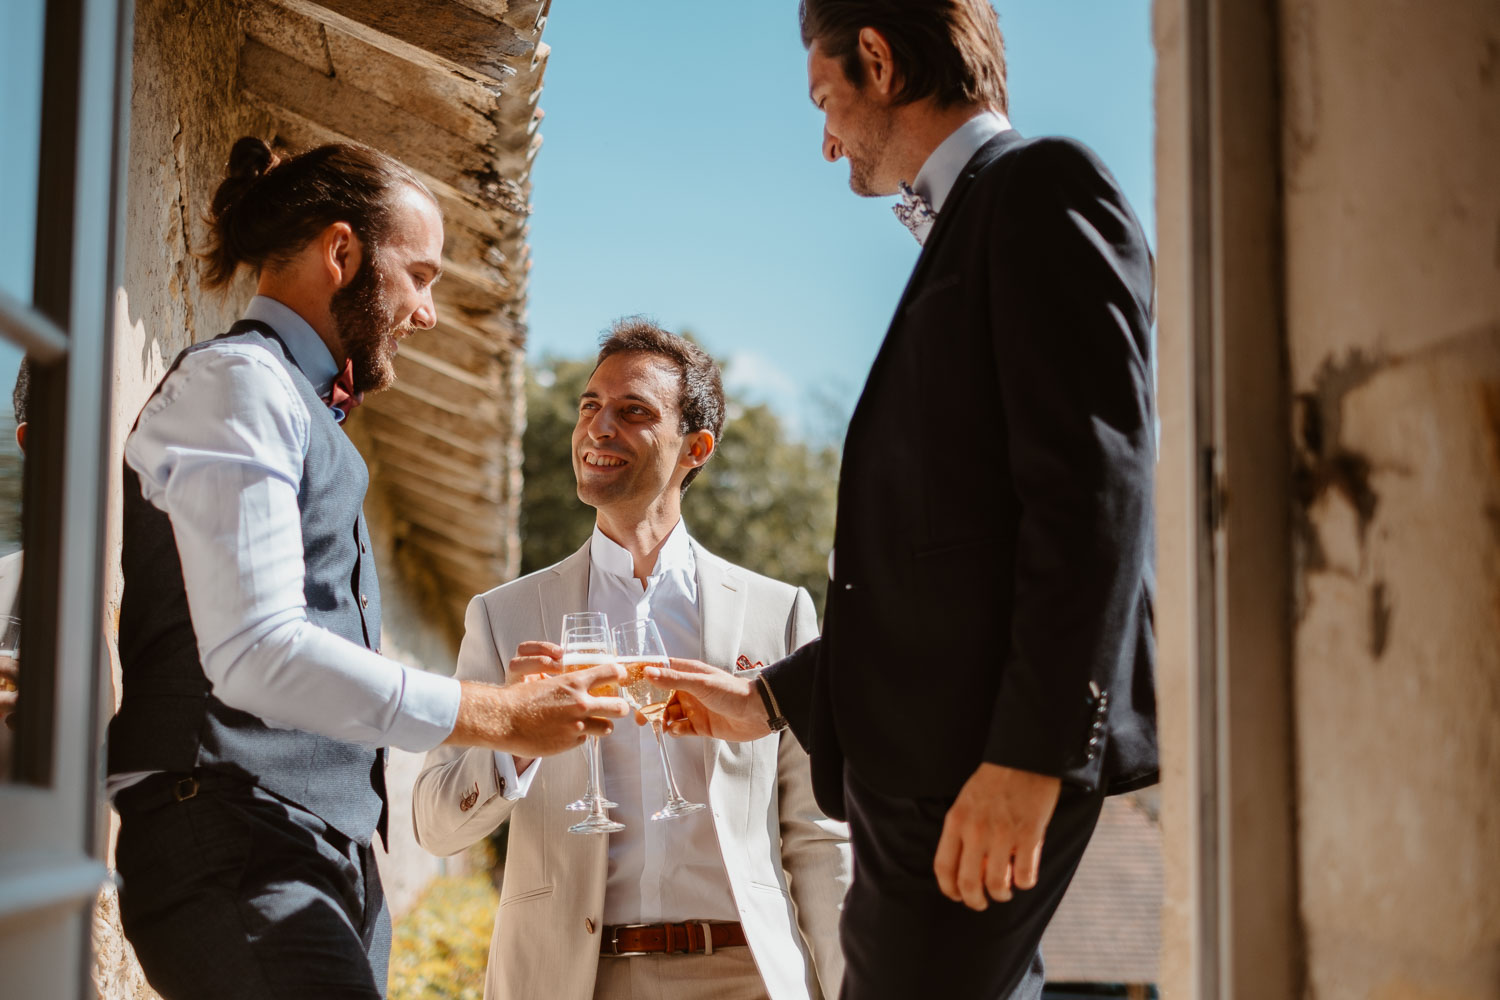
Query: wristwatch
{"type": "Point", "coordinates": [774, 718]}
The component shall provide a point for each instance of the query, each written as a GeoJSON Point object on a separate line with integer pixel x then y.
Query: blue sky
{"type": "Point", "coordinates": [681, 177]}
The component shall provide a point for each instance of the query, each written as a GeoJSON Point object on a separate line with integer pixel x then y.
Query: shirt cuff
{"type": "Point", "coordinates": [429, 710]}
{"type": "Point", "coordinates": [512, 785]}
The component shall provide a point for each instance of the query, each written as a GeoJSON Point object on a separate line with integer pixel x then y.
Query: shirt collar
{"type": "Point", "coordinates": [940, 172]}
{"type": "Point", "coordinates": [308, 350]}
{"type": "Point", "coordinates": [610, 557]}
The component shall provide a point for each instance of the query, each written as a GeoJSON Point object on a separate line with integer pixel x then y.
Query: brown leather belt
{"type": "Point", "coordinates": [669, 939]}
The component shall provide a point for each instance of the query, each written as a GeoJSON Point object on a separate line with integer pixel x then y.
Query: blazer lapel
{"type": "Point", "coordinates": [722, 594]}
{"type": "Point", "coordinates": [982, 158]}
{"type": "Point", "coordinates": [563, 590]}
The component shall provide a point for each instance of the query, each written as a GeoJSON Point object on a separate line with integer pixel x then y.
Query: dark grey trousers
{"type": "Point", "coordinates": [235, 894]}
{"type": "Point", "coordinates": [903, 938]}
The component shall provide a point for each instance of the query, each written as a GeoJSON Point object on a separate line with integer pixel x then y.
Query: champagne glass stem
{"type": "Point", "coordinates": [596, 777]}
{"type": "Point", "coordinates": [676, 804]}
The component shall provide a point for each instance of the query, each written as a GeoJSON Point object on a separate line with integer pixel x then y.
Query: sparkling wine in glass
{"type": "Point", "coordinates": [586, 620]}
{"type": "Point", "coordinates": [585, 647]}
{"type": "Point", "coordinates": [638, 645]}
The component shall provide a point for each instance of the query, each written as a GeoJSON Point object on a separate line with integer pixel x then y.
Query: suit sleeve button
{"type": "Point", "coordinates": [364, 601]}
{"type": "Point", "coordinates": [588, 924]}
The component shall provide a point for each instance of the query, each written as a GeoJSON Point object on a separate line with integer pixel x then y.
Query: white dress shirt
{"type": "Point", "coordinates": [220, 450]}
{"type": "Point", "coordinates": [666, 870]}
{"type": "Point", "coordinates": [943, 165]}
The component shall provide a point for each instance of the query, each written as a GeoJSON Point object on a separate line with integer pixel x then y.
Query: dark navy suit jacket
{"type": "Point", "coordinates": [993, 587]}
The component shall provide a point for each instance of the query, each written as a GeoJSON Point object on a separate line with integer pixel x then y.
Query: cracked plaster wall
{"type": "Point", "coordinates": [1391, 113]}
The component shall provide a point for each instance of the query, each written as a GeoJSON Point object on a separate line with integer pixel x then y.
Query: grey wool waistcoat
{"type": "Point", "coordinates": [169, 719]}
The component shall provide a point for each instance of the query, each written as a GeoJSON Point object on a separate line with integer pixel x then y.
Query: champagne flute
{"type": "Point", "coordinates": [583, 648]}
{"type": "Point", "coordinates": [638, 645]}
{"type": "Point", "coordinates": [585, 803]}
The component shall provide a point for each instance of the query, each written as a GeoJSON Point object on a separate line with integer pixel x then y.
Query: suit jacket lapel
{"type": "Point", "coordinates": [722, 596]}
{"type": "Point", "coordinates": [982, 158]}
{"type": "Point", "coordinates": [563, 590]}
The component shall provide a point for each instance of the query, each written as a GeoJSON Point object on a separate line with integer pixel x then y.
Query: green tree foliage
{"type": "Point", "coordinates": [765, 500]}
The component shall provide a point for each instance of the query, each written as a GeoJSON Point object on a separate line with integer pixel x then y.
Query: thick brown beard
{"type": "Point", "coordinates": [365, 320]}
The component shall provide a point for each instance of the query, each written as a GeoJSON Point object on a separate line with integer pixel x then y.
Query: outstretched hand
{"type": "Point", "coordinates": [547, 716]}
{"type": "Point", "coordinates": [710, 702]}
{"type": "Point", "coordinates": [992, 835]}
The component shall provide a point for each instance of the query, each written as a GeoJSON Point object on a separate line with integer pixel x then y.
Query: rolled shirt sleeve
{"type": "Point", "coordinates": [220, 450]}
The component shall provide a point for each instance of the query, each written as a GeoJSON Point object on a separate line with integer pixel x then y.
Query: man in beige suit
{"type": "Point", "coordinates": [738, 900]}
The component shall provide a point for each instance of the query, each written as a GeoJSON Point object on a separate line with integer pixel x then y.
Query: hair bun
{"type": "Point", "coordinates": [250, 159]}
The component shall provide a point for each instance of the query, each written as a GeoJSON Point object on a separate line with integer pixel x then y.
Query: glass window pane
{"type": "Point", "coordinates": [21, 27]}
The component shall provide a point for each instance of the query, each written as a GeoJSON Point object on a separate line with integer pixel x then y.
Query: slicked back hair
{"type": "Point", "coordinates": [949, 50]}
{"type": "Point", "coordinates": [267, 208]}
{"type": "Point", "coordinates": [700, 392]}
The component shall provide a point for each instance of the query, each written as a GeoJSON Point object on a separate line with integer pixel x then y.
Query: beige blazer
{"type": "Point", "coordinates": [789, 865]}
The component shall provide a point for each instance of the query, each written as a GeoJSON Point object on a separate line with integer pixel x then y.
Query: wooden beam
{"type": "Point", "coordinates": [385, 418]}
{"type": "Point", "coordinates": [290, 88]}
{"type": "Point", "coordinates": [459, 456]}
{"type": "Point", "coordinates": [434, 415]}
{"type": "Point", "coordinates": [466, 107]}
{"type": "Point", "coordinates": [435, 32]}
{"type": "Point", "coordinates": [399, 461]}
{"type": "Point", "coordinates": [479, 536]}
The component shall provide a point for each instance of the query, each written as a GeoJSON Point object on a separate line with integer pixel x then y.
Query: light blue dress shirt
{"type": "Point", "coordinates": [220, 450]}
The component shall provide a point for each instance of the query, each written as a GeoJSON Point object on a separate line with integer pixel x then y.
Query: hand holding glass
{"type": "Point", "coordinates": [638, 645]}
{"type": "Point", "coordinates": [584, 647]}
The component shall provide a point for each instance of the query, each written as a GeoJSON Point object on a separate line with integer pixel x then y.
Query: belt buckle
{"type": "Point", "coordinates": [184, 789]}
{"type": "Point", "coordinates": [614, 940]}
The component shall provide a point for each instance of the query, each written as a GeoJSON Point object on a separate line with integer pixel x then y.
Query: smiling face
{"type": "Point", "coordinates": [630, 454]}
{"type": "Point", "coordinates": [856, 126]}
{"type": "Point", "coordinates": [390, 297]}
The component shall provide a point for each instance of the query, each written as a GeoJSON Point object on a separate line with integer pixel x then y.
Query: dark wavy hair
{"type": "Point", "coordinates": [267, 209]}
{"type": "Point", "coordinates": [700, 394]}
{"type": "Point", "coordinates": [949, 50]}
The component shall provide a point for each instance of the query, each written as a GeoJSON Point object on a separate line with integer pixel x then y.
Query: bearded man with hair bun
{"type": "Point", "coordinates": [247, 759]}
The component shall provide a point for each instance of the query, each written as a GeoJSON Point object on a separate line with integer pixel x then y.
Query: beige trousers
{"type": "Point", "coordinates": [727, 974]}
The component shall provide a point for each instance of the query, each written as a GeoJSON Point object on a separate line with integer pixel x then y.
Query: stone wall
{"type": "Point", "coordinates": [1389, 240]}
{"type": "Point", "coordinates": [1391, 113]}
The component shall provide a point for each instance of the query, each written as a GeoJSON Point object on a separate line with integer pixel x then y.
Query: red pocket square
{"type": "Point", "coordinates": [743, 663]}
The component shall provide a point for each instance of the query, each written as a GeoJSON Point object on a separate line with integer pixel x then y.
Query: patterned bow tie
{"type": "Point", "coordinates": [915, 213]}
{"type": "Point", "coordinates": [341, 396]}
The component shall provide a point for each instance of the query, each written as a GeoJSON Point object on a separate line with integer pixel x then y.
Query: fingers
{"type": "Point", "coordinates": [597, 727]}
{"type": "Point", "coordinates": [998, 874]}
{"type": "Point", "coordinates": [521, 667]}
{"type": "Point", "coordinates": [970, 875]}
{"type": "Point", "coordinates": [695, 684]}
{"type": "Point", "coordinates": [945, 862]}
{"type": "Point", "coordinates": [684, 673]}
{"type": "Point", "coordinates": [605, 673]}
{"type": "Point", "coordinates": [550, 650]}
{"type": "Point", "coordinates": [691, 718]}
{"type": "Point", "coordinates": [1028, 862]}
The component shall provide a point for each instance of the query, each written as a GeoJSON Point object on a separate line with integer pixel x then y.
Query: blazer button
{"type": "Point", "coordinates": [364, 601]}
{"type": "Point", "coordinates": [588, 924]}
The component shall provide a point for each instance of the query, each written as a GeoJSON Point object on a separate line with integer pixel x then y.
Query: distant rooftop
{"type": "Point", "coordinates": [1108, 927]}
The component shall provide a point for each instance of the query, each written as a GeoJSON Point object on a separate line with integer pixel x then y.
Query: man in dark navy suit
{"type": "Point", "coordinates": [985, 675]}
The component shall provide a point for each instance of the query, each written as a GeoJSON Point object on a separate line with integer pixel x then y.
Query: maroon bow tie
{"type": "Point", "coordinates": [342, 397]}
